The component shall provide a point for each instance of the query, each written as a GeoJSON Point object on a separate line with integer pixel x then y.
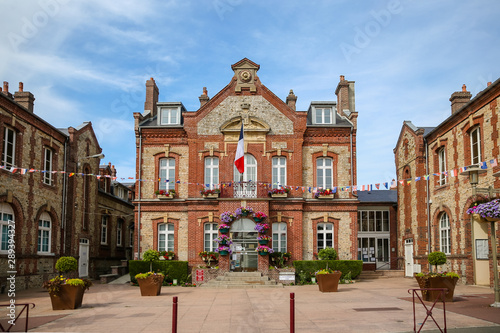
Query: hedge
{"type": "Point", "coordinates": [305, 268]}
{"type": "Point", "coordinates": [173, 269]}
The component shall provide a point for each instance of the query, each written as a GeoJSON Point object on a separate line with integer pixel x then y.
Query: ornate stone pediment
{"type": "Point", "coordinates": [255, 129]}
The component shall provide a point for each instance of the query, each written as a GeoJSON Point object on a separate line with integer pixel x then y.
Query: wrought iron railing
{"type": "Point", "coordinates": [245, 190]}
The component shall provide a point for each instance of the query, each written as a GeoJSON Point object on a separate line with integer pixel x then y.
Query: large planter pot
{"type": "Point", "coordinates": [150, 286]}
{"type": "Point", "coordinates": [67, 298]}
{"type": "Point", "coordinates": [328, 282]}
{"type": "Point", "coordinates": [437, 282]}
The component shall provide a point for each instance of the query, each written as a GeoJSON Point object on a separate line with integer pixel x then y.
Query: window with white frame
{"type": "Point", "coordinates": [165, 237]}
{"type": "Point", "coordinates": [119, 230]}
{"type": "Point", "coordinates": [211, 172]}
{"type": "Point", "coordinates": [6, 215]}
{"type": "Point", "coordinates": [167, 174]}
{"type": "Point", "coordinates": [279, 237]}
{"type": "Point", "coordinates": [373, 221]}
{"type": "Point", "coordinates": [169, 116]}
{"type": "Point", "coordinates": [279, 171]}
{"type": "Point", "coordinates": [210, 234]}
{"type": "Point", "coordinates": [475, 145]}
{"type": "Point", "coordinates": [444, 232]}
{"type": "Point", "coordinates": [9, 147]}
{"type": "Point", "coordinates": [324, 235]}
{"type": "Point", "coordinates": [47, 176]}
{"type": "Point", "coordinates": [104, 229]}
{"type": "Point", "coordinates": [44, 233]}
{"type": "Point", "coordinates": [323, 115]}
{"type": "Point", "coordinates": [324, 172]}
{"type": "Point", "coordinates": [442, 166]}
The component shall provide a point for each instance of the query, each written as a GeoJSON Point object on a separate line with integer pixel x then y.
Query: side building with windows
{"type": "Point", "coordinates": [299, 170]}
{"type": "Point", "coordinates": [51, 204]}
{"type": "Point", "coordinates": [432, 195]}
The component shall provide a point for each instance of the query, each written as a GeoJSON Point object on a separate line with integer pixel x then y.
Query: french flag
{"type": "Point", "coordinates": [239, 159]}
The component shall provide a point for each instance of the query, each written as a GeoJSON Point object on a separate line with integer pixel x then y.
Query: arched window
{"type": "Point", "coordinates": [210, 233]}
{"type": "Point", "coordinates": [6, 215]}
{"type": "Point", "coordinates": [279, 237]}
{"type": "Point", "coordinates": [475, 145]}
{"type": "Point", "coordinates": [279, 171]}
{"type": "Point", "coordinates": [211, 172]}
{"type": "Point", "coordinates": [324, 172]}
{"type": "Point", "coordinates": [324, 235]}
{"type": "Point", "coordinates": [44, 233]}
{"type": "Point", "coordinates": [165, 237]}
{"type": "Point", "coordinates": [444, 233]}
{"type": "Point", "coordinates": [167, 174]}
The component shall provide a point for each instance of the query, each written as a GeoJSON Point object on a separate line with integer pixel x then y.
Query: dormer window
{"type": "Point", "coordinates": [323, 115]}
{"type": "Point", "coordinates": [169, 116]}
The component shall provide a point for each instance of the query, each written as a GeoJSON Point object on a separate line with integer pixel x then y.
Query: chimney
{"type": "Point", "coordinates": [152, 93]}
{"type": "Point", "coordinates": [24, 98]}
{"type": "Point", "coordinates": [204, 97]}
{"type": "Point", "coordinates": [345, 96]}
{"type": "Point", "coordinates": [5, 90]}
{"type": "Point", "coordinates": [291, 100]}
{"type": "Point", "coordinates": [459, 98]}
{"type": "Point", "coordinates": [113, 171]}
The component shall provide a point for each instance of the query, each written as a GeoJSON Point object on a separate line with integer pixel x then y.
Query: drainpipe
{"type": "Point", "coordinates": [139, 205]}
{"type": "Point", "coordinates": [428, 197]}
{"type": "Point", "coordinates": [65, 193]}
{"type": "Point", "coordinates": [352, 161]}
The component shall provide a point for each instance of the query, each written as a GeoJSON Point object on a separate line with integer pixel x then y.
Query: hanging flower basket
{"type": "Point", "coordinates": [223, 240]}
{"type": "Point", "coordinates": [263, 239]}
{"type": "Point", "coordinates": [244, 211]}
{"type": "Point", "coordinates": [490, 210]}
{"type": "Point", "coordinates": [224, 228]}
{"type": "Point", "coordinates": [224, 250]}
{"type": "Point", "coordinates": [262, 227]}
{"type": "Point", "coordinates": [259, 216]}
{"type": "Point", "coordinates": [264, 250]}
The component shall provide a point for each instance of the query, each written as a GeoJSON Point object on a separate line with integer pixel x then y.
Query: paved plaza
{"type": "Point", "coordinates": [382, 305]}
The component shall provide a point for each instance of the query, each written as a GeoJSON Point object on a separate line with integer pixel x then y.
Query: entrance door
{"type": "Point", "coordinates": [409, 257]}
{"type": "Point", "coordinates": [244, 236]}
{"type": "Point", "coordinates": [383, 253]}
{"type": "Point", "coordinates": [83, 262]}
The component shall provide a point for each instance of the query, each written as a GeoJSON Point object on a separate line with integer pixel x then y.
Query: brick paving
{"type": "Point", "coordinates": [381, 305]}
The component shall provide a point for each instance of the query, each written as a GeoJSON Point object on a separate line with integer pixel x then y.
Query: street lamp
{"type": "Point", "coordinates": [473, 172]}
{"type": "Point", "coordinates": [99, 156]}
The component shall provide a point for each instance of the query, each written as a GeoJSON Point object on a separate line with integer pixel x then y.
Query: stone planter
{"type": "Point", "coordinates": [328, 282]}
{"type": "Point", "coordinates": [67, 298]}
{"type": "Point", "coordinates": [150, 286]}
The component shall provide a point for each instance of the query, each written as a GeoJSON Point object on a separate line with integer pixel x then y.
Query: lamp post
{"type": "Point", "coordinates": [473, 173]}
{"type": "Point", "coordinates": [99, 156]}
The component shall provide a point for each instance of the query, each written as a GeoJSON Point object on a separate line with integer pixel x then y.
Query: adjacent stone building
{"type": "Point", "coordinates": [49, 191]}
{"type": "Point", "coordinates": [304, 152]}
{"type": "Point", "coordinates": [432, 195]}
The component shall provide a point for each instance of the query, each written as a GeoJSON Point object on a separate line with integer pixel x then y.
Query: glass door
{"type": "Point", "coordinates": [244, 257]}
{"type": "Point", "coordinates": [383, 253]}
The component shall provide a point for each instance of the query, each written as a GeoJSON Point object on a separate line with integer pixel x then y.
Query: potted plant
{"type": "Point", "coordinates": [324, 194]}
{"type": "Point", "coordinates": [328, 280]}
{"type": "Point", "coordinates": [244, 211]}
{"type": "Point", "coordinates": [227, 217]}
{"type": "Point", "coordinates": [437, 279]}
{"type": "Point", "coordinates": [327, 254]}
{"type": "Point", "coordinates": [210, 193]}
{"type": "Point", "coordinates": [259, 216]}
{"type": "Point", "coordinates": [279, 259]}
{"type": "Point", "coordinates": [169, 255]}
{"type": "Point", "coordinates": [224, 250]}
{"type": "Point", "coordinates": [208, 256]}
{"type": "Point", "coordinates": [66, 293]}
{"type": "Point", "coordinates": [150, 283]}
{"type": "Point", "coordinates": [281, 192]}
{"type": "Point", "coordinates": [165, 194]}
{"type": "Point", "coordinates": [489, 210]}
{"type": "Point", "coordinates": [264, 239]}
{"type": "Point", "coordinates": [224, 228]}
{"type": "Point", "coordinates": [262, 227]}
{"type": "Point", "coordinates": [223, 240]}
{"type": "Point", "coordinates": [264, 250]}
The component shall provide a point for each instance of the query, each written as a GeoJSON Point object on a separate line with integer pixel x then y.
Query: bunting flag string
{"type": "Point", "coordinates": [351, 188]}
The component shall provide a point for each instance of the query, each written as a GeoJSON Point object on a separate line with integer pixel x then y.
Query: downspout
{"type": "Point", "coordinates": [428, 197]}
{"type": "Point", "coordinates": [65, 193]}
{"type": "Point", "coordinates": [352, 161]}
{"type": "Point", "coordinates": [139, 204]}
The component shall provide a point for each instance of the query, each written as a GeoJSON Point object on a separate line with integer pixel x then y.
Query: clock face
{"type": "Point", "coordinates": [245, 76]}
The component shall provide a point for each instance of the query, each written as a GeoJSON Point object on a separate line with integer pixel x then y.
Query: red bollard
{"type": "Point", "coordinates": [292, 312]}
{"type": "Point", "coordinates": [174, 315]}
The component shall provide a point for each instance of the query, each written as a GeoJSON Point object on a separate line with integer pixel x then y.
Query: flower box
{"type": "Point", "coordinates": [279, 195]}
{"type": "Point", "coordinates": [211, 196]}
{"type": "Point", "coordinates": [164, 197]}
{"type": "Point", "coordinates": [325, 196]}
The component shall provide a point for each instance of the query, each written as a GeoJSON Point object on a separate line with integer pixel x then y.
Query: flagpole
{"type": "Point", "coordinates": [241, 174]}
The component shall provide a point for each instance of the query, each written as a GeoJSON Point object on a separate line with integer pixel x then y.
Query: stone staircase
{"type": "Point", "coordinates": [116, 272]}
{"type": "Point", "coordinates": [382, 274]}
{"type": "Point", "coordinates": [242, 280]}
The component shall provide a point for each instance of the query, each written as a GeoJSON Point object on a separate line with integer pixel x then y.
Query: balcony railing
{"type": "Point", "coordinates": [245, 190]}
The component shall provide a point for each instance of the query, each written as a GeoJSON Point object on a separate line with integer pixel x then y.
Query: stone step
{"type": "Point", "coordinates": [242, 280]}
{"type": "Point", "coordinates": [240, 286]}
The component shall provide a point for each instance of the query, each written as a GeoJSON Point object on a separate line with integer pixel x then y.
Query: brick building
{"type": "Point", "coordinates": [432, 195]}
{"type": "Point", "coordinates": [305, 151]}
{"type": "Point", "coordinates": [48, 188]}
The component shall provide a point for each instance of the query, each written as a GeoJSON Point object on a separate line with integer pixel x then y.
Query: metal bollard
{"type": "Point", "coordinates": [292, 312]}
{"type": "Point", "coordinates": [174, 315]}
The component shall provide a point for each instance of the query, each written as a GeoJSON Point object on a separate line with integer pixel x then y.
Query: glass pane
{"type": "Point", "coordinates": [161, 227]}
{"type": "Point", "coordinates": [385, 221]}
{"type": "Point", "coordinates": [371, 221]}
{"type": "Point", "coordinates": [320, 226]}
{"type": "Point", "coordinates": [327, 113]}
{"type": "Point", "coordinates": [329, 226]}
{"type": "Point", "coordinates": [319, 119]}
{"type": "Point", "coordinates": [378, 221]}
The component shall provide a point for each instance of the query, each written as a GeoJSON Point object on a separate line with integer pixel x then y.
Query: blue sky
{"type": "Point", "coordinates": [89, 60]}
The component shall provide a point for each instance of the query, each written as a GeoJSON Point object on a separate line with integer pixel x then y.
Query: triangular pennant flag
{"type": "Point", "coordinates": [386, 185]}
{"type": "Point", "coordinates": [493, 162]}
{"type": "Point", "coordinates": [417, 179]}
{"type": "Point", "coordinates": [377, 186]}
{"type": "Point", "coordinates": [483, 165]}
